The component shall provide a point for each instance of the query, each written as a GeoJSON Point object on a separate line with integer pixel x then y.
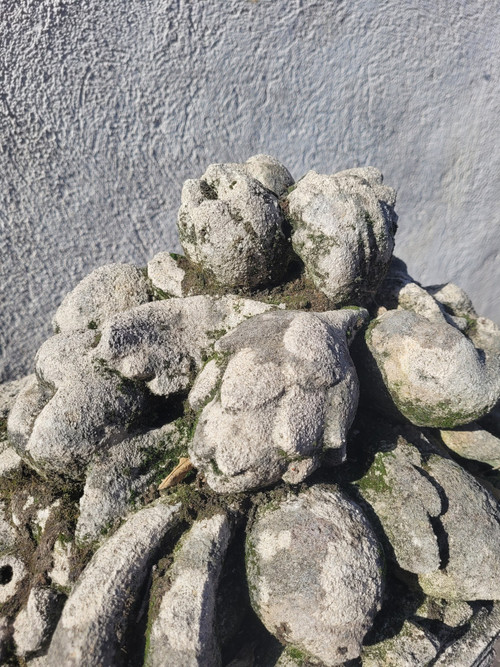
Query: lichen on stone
{"type": "Point", "coordinates": [314, 527]}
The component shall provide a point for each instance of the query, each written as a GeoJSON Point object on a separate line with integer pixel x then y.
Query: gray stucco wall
{"type": "Point", "coordinates": [106, 107]}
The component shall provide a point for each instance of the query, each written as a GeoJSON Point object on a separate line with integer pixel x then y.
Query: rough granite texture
{"type": "Point", "coordinates": [8, 394]}
{"type": "Point", "coordinates": [107, 109]}
{"type": "Point", "coordinates": [233, 227]}
{"type": "Point", "coordinates": [165, 275]}
{"type": "Point", "coordinates": [91, 387]}
{"type": "Point", "coordinates": [7, 531]}
{"type": "Point", "coordinates": [283, 399]}
{"type": "Point", "coordinates": [164, 343]}
{"type": "Point", "coordinates": [435, 375]}
{"type": "Point", "coordinates": [75, 423]}
{"type": "Point", "coordinates": [470, 515]}
{"type": "Point", "coordinates": [475, 648]}
{"type": "Point", "coordinates": [35, 623]}
{"type": "Point", "coordinates": [94, 619]}
{"type": "Point", "coordinates": [16, 570]}
{"type": "Point", "coordinates": [454, 613]}
{"type": "Point", "coordinates": [405, 502]}
{"type": "Point", "coordinates": [184, 632]}
{"type": "Point", "coordinates": [343, 228]}
{"type": "Point", "coordinates": [473, 442]}
{"type": "Point", "coordinates": [431, 511]}
{"type": "Point", "coordinates": [304, 585]}
{"type": "Point", "coordinates": [119, 474]}
{"type": "Point", "coordinates": [107, 290]}
{"type": "Point", "coordinates": [115, 546]}
{"type": "Point", "coordinates": [270, 172]}
{"type": "Point", "coordinates": [411, 647]}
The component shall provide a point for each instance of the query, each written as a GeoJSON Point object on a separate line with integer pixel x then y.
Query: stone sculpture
{"type": "Point", "coordinates": [325, 429]}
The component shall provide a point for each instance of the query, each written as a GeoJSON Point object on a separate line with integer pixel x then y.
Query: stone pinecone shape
{"type": "Point", "coordinates": [342, 421]}
{"type": "Point", "coordinates": [343, 230]}
{"type": "Point", "coordinates": [232, 225]}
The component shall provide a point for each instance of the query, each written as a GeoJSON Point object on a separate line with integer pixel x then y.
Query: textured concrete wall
{"type": "Point", "coordinates": [106, 107]}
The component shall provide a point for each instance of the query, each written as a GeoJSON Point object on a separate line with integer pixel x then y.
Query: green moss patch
{"type": "Point", "coordinates": [376, 479]}
{"type": "Point", "coordinates": [295, 291]}
{"type": "Point", "coordinates": [302, 658]}
{"type": "Point", "coordinates": [439, 415]}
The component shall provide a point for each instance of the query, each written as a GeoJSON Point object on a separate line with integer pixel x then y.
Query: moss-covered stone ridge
{"type": "Point", "coordinates": [309, 518]}
{"type": "Point", "coordinates": [430, 510]}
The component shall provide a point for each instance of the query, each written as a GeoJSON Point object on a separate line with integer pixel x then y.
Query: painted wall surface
{"type": "Point", "coordinates": [107, 107]}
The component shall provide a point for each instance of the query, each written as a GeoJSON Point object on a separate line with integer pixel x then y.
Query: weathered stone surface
{"type": "Point", "coordinates": [9, 461]}
{"type": "Point", "coordinates": [164, 343]}
{"type": "Point", "coordinates": [166, 275]}
{"type": "Point", "coordinates": [434, 515]}
{"type": "Point", "coordinates": [35, 622]}
{"type": "Point", "coordinates": [473, 442]}
{"type": "Point", "coordinates": [411, 647]}
{"type": "Point", "coordinates": [286, 395]}
{"type": "Point", "coordinates": [454, 299]}
{"type": "Point", "coordinates": [81, 419]}
{"type": "Point", "coordinates": [471, 518]}
{"type": "Point", "coordinates": [73, 407]}
{"type": "Point", "coordinates": [400, 290]}
{"type": "Point", "coordinates": [475, 648]}
{"type": "Point", "coordinates": [485, 334]}
{"type": "Point", "coordinates": [395, 279]}
{"type": "Point", "coordinates": [270, 172]}
{"type": "Point", "coordinates": [415, 298]}
{"type": "Point", "coordinates": [314, 571]}
{"type": "Point", "coordinates": [453, 613]}
{"type": "Point", "coordinates": [434, 374]}
{"type": "Point", "coordinates": [12, 573]}
{"type": "Point", "coordinates": [89, 390]}
{"type": "Point", "coordinates": [121, 472]}
{"type": "Point", "coordinates": [405, 501]}
{"type": "Point", "coordinates": [271, 396]}
{"type": "Point", "coordinates": [288, 659]}
{"type": "Point", "coordinates": [205, 384]}
{"type": "Point", "coordinates": [66, 357]}
{"type": "Point", "coordinates": [29, 403]}
{"type": "Point", "coordinates": [7, 531]}
{"type": "Point", "coordinates": [61, 563]}
{"type": "Point", "coordinates": [233, 227]}
{"type": "Point", "coordinates": [343, 230]}
{"type": "Point", "coordinates": [92, 627]}
{"type": "Point", "coordinates": [184, 632]}
{"type": "Point", "coordinates": [57, 405]}
{"type": "Point", "coordinates": [107, 290]}
{"type": "Point", "coordinates": [8, 394]}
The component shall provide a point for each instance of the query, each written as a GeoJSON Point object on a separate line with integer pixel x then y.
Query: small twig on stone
{"type": "Point", "coordinates": [177, 475]}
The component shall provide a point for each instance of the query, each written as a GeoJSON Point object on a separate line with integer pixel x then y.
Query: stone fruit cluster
{"type": "Point", "coordinates": [341, 421]}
